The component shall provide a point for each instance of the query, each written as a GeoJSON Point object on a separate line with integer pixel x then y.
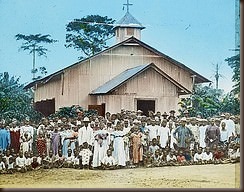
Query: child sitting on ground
{"type": "Point", "coordinates": [11, 166]}
{"type": "Point", "coordinates": [2, 165]}
{"type": "Point", "coordinates": [69, 160]}
{"type": "Point", "coordinates": [171, 158]}
{"type": "Point", "coordinates": [35, 165]}
{"type": "Point", "coordinates": [218, 155]}
{"type": "Point", "coordinates": [76, 161]}
{"type": "Point", "coordinates": [108, 162]}
{"type": "Point", "coordinates": [181, 160]}
{"type": "Point", "coordinates": [49, 161]}
{"type": "Point", "coordinates": [157, 159]}
{"type": "Point", "coordinates": [234, 153]}
{"type": "Point", "coordinates": [21, 163]}
{"type": "Point", "coordinates": [60, 159]}
{"type": "Point", "coordinates": [198, 157]}
{"type": "Point", "coordinates": [207, 156]}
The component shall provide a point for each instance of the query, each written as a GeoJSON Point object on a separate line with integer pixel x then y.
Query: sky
{"type": "Point", "coordinates": [197, 33]}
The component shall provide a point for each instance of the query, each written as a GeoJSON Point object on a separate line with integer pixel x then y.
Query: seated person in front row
{"type": "Point", "coordinates": [76, 160]}
{"type": "Point", "coordinates": [234, 153]}
{"type": "Point", "coordinates": [108, 162]}
{"type": "Point", "coordinates": [2, 165]}
{"type": "Point", "coordinates": [157, 159]}
{"type": "Point", "coordinates": [21, 163]}
{"type": "Point", "coordinates": [171, 158]}
{"type": "Point", "coordinates": [207, 156]}
{"type": "Point", "coordinates": [69, 160]}
{"type": "Point", "coordinates": [11, 166]}
{"type": "Point", "coordinates": [181, 159]}
{"type": "Point", "coordinates": [50, 161]}
{"type": "Point", "coordinates": [198, 157]}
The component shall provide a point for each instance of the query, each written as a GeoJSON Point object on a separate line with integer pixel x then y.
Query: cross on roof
{"type": "Point", "coordinates": [127, 4]}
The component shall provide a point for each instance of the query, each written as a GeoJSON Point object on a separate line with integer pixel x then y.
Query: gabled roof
{"type": "Point", "coordinates": [198, 79]}
{"type": "Point", "coordinates": [129, 21]}
{"type": "Point", "coordinates": [128, 74]}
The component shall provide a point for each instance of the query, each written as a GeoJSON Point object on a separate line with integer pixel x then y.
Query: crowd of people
{"type": "Point", "coordinates": [127, 139]}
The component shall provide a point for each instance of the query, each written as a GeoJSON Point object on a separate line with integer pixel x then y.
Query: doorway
{"type": "Point", "coordinates": [145, 106]}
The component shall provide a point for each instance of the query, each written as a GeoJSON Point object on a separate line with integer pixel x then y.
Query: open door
{"type": "Point", "coordinates": [145, 106]}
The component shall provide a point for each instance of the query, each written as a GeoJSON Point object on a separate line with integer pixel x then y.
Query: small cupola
{"type": "Point", "coordinates": [127, 27]}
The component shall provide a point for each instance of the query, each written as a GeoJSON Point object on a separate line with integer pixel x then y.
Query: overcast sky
{"type": "Point", "coordinates": [198, 33]}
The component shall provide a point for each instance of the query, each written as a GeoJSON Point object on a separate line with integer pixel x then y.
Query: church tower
{"type": "Point", "coordinates": [127, 27]}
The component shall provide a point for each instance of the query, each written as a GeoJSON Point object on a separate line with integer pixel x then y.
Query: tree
{"type": "Point", "coordinates": [15, 101]}
{"type": "Point", "coordinates": [204, 101]}
{"type": "Point", "coordinates": [89, 34]}
{"type": "Point", "coordinates": [32, 44]}
{"type": "Point", "coordinates": [234, 63]}
{"type": "Point", "coordinates": [208, 102]}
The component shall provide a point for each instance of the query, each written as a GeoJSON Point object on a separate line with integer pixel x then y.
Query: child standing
{"type": "Point", "coordinates": [41, 144]}
{"type": "Point", "coordinates": [85, 154]}
{"type": "Point", "coordinates": [137, 149]}
{"type": "Point", "coordinates": [55, 140]}
{"type": "Point", "coordinates": [26, 142]}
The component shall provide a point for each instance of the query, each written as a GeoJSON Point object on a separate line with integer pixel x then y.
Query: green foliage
{"type": "Point", "coordinates": [15, 101]}
{"type": "Point", "coordinates": [89, 34]}
{"type": "Point", "coordinates": [71, 112]}
{"type": "Point", "coordinates": [207, 102]}
{"type": "Point", "coordinates": [234, 63]}
{"type": "Point", "coordinates": [32, 45]}
{"type": "Point", "coordinates": [230, 104]}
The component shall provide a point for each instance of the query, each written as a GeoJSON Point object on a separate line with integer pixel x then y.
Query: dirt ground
{"type": "Point", "coordinates": [196, 176]}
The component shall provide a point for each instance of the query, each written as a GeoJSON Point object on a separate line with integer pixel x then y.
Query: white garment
{"type": "Point", "coordinates": [198, 157]}
{"type": "Point", "coordinates": [108, 160]}
{"type": "Point", "coordinates": [173, 158]}
{"type": "Point", "coordinates": [27, 128]}
{"type": "Point", "coordinates": [195, 131]}
{"type": "Point", "coordinates": [85, 156]}
{"type": "Point", "coordinates": [230, 126]}
{"type": "Point", "coordinates": [153, 130]}
{"type": "Point", "coordinates": [69, 159]}
{"type": "Point", "coordinates": [2, 165]}
{"type": "Point", "coordinates": [118, 145]}
{"type": "Point", "coordinates": [172, 139]}
{"type": "Point", "coordinates": [20, 161]}
{"type": "Point", "coordinates": [163, 133]}
{"type": "Point", "coordinates": [85, 135]}
{"type": "Point", "coordinates": [223, 135]}
{"type": "Point", "coordinates": [29, 161]}
{"type": "Point", "coordinates": [202, 131]}
{"type": "Point", "coordinates": [76, 161]}
{"type": "Point", "coordinates": [100, 146]}
{"type": "Point", "coordinates": [207, 157]}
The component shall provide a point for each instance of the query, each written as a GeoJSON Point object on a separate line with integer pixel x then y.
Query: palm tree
{"type": "Point", "coordinates": [32, 44]}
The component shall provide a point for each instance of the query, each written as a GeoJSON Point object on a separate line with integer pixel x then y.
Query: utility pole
{"type": "Point", "coordinates": [217, 75]}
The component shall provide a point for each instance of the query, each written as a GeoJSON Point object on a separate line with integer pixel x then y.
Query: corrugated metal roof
{"type": "Point", "coordinates": [129, 21]}
{"type": "Point", "coordinates": [118, 80]}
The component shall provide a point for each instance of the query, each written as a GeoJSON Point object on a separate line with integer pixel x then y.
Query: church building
{"type": "Point", "coordinates": [130, 74]}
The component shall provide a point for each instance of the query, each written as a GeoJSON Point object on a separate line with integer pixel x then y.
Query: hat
{"type": "Point", "coordinates": [96, 120]}
{"type": "Point", "coordinates": [86, 119]}
{"type": "Point", "coordinates": [183, 119]}
{"type": "Point", "coordinates": [172, 111]}
{"type": "Point", "coordinates": [136, 121]}
{"type": "Point", "coordinates": [165, 114]}
{"type": "Point", "coordinates": [186, 112]}
{"type": "Point", "coordinates": [139, 111]}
